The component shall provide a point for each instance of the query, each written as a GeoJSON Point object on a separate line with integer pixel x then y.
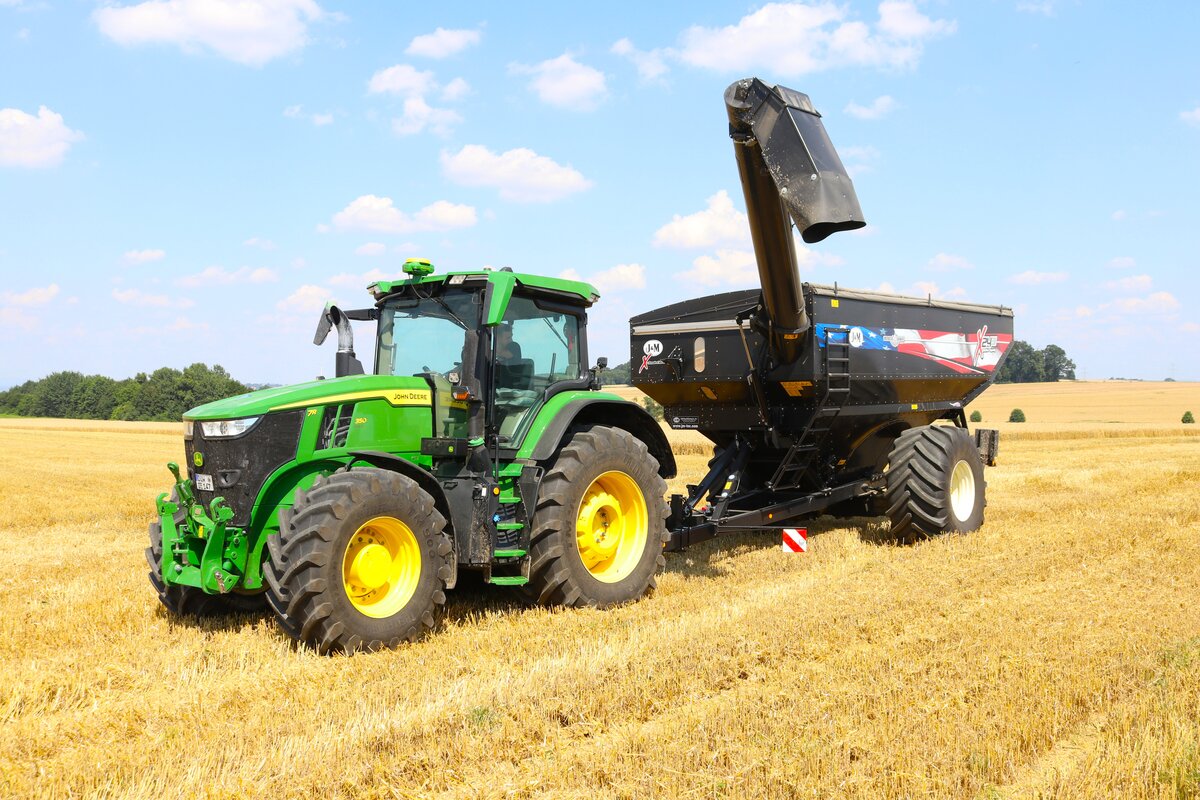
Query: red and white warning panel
{"type": "Point", "coordinates": [795, 540]}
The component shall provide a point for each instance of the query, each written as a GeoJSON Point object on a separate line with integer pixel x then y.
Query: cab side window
{"type": "Point", "coordinates": [534, 348]}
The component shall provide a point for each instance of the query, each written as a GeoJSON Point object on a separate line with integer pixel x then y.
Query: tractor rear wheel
{"type": "Point", "coordinates": [598, 529]}
{"type": "Point", "coordinates": [361, 562]}
{"type": "Point", "coordinates": [188, 600]}
{"type": "Point", "coordinates": [934, 483]}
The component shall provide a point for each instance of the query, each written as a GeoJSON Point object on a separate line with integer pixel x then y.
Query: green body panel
{"type": "Point", "coordinates": [550, 411]}
{"type": "Point", "coordinates": [312, 393]}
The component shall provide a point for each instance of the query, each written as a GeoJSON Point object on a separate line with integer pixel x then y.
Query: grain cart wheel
{"type": "Point", "coordinates": [188, 600]}
{"type": "Point", "coordinates": [934, 483]}
{"type": "Point", "coordinates": [598, 530]}
{"type": "Point", "coordinates": [360, 564]}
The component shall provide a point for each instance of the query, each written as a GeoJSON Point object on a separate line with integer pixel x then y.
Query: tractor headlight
{"type": "Point", "coordinates": [227, 428]}
{"type": "Point", "coordinates": [189, 429]}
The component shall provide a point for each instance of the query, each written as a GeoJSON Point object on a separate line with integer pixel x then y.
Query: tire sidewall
{"type": "Point", "coordinates": [643, 474]}
{"type": "Point", "coordinates": [384, 629]}
{"type": "Point", "coordinates": [963, 449]}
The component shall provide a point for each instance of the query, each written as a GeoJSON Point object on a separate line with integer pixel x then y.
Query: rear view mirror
{"type": "Point", "coordinates": [324, 325]}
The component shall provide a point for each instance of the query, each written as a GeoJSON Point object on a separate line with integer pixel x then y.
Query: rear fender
{"type": "Point", "coordinates": [581, 411]}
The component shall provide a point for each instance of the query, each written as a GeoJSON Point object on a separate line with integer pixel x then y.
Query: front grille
{"type": "Point", "coordinates": [241, 465]}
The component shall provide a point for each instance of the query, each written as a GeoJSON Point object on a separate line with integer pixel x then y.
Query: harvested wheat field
{"type": "Point", "coordinates": [1054, 653]}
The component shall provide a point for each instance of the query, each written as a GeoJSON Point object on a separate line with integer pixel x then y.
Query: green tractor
{"type": "Point", "coordinates": [480, 442]}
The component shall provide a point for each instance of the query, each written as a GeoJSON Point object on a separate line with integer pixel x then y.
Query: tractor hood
{"type": "Point", "coordinates": [399, 391]}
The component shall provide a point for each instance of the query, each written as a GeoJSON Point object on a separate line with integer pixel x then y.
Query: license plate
{"type": "Point", "coordinates": [204, 483]}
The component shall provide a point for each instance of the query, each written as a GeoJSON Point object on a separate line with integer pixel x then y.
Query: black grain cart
{"type": "Point", "coordinates": [818, 399]}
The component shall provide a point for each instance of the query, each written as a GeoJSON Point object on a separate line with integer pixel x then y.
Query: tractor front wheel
{"type": "Point", "coordinates": [934, 483]}
{"type": "Point", "coordinates": [598, 530]}
{"type": "Point", "coordinates": [360, 564]}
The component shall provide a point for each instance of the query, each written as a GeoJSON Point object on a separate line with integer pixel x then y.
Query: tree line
{"type": "Point", "coordinates": [1027, 365]}
{"type": "Point", "coordinates": [162, 395]}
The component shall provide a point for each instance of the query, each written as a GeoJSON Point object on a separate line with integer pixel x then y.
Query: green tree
{"type": "Point", "coordinates": [617, 374]}
{"type": "Point", "coordinates": [1056, 365]}
{"type": "Point", "coordinates": [1188, 419]}
{"type": "Point", "coordinates": [1023, 364]}
{"type": "Point", "coordinates": [976, 416]}
{"type": "Point", "coordinates": [652, 406]}
{"type": "Point", "coordinates": [1017, 415]}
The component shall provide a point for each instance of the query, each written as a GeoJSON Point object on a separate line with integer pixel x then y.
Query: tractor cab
{"type": "Point", "coordinates": [493, 346]}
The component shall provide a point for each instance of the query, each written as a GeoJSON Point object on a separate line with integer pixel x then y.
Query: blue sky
{"type": "Point", "coordinates": [190, 180]}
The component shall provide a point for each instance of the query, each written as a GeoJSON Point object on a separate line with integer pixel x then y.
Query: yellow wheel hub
{"type": "Point", "coordinates": [381, 567]}
{"type": "Point", "coordinates": [612, 526]}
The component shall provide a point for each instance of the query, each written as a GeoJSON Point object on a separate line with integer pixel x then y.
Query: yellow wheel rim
{"type": "Point", "coordinates": [381, 567]}
{"type": "Point", "coordinates": [611, 526]}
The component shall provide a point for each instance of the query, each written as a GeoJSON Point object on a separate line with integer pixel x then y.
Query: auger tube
{"type": "Point", "coordinates": [788, 166]}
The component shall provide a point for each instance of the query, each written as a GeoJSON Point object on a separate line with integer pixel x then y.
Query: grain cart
{"type": "Point", "coordinates": [480, 442]}
{"type": "Point", "coordinates": [818, 399]}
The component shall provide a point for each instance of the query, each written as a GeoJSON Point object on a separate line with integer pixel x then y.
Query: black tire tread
{"type": "Point", "coordinates": [299, 591]}
{"type": "Point", "coordinates": [917, 496]}
{"type": "Point", "coordinates": [551, 582]}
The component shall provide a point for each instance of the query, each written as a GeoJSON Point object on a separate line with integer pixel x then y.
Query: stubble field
{"type": "Point", "coordinates": [1055, 652]}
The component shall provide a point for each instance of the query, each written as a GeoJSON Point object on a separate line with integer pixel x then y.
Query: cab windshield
{"type": "Point", "coordinates": [426, 335]}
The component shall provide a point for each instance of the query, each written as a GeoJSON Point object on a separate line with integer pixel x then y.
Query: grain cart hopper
{"type": "Point", "coordinates": [479, 442]}
{"type": "Point", "coordinates": [818, 399]}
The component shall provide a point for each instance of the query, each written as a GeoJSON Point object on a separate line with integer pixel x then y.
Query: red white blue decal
{"type": "Point", "coordinates": [969, 353]}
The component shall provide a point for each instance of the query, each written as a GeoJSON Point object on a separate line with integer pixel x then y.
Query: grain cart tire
{"type": "Point", "coordinates": [188, 600]}
{"type": "Point", "coordinates": [599, 525]}
{"type": "Point", "coordinates": [360, 564]}
{"type": "Point", "coordinates": [934, 483]}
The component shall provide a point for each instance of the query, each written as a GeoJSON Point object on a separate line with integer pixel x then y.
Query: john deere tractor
{"type": "Point", "coordinates": [480, 441]}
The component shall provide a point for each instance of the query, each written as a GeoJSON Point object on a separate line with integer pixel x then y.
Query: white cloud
{"type": "Point", "coordinates": [1119, 215]}
{"type": "Point", "coordinates": [29, 141]}
{"type": "Point", "coordinates": [807, 258]}
{"type": "Point", "coordinates": [944, 262]}
{"type": "Point", "coordinates": [924, 289]}
{"type": "Point", "coordinates": [1033, 278]}
{"type": "Point", "coordinates": [293, 111]}
{"type": "Point", "coordinates": [565, 83]}
{"type": "Point", "coordinates": [651, 64]}
{"type": "Point", "coordinates": [372, 213]}
{"type": "Point", "coordinates": [250, 32]}
{"type": "Point", "coordinates": [261, 244]}
{"type": "Point", "coordinates": [1045, 7]}
{"type": "Point", "coordinates": [456, 89]}
{"type": "Point", "coordinates": [790, 39]}
{"type": "Point", "coordinates": [322, 119]}
{"type": "Point", "coordinates": [1191, 117]}
{"type": "Point", "coordinates": [858, 159]}
{"type": "Point", "coordinates": [1131, 283]}
{"type": "Point", "coordinates": [1190, 327]}
{"type": "Point", "coordinates": [219, 276]}
{"type": "Point", "coordinates": [728, 267]}
{"type": "Point", "coordinates": [371, 249]}
{"type": "Point", "coordinates": [305, 299]}
{"type": "Point", "coordinates": [136, 297]}
{"type": "Point", "coordinates": [719, 223]}
{"type": "Point", "coordinates": [442, 42]}
{"type": "Point", "coordinates": [359, 280]}
{"type": "Point", "coordinates": [143, 256]}
{"type": "Point", "coordinates": [880, 107]}
{"type": "Point", "coordinates": [419, 115]}
{"type": "Point", "coordinates": [613, 279]}
{"type": "Point", "coordinates": [1122, 262]}
{"type": "Point", "coordinates": [31, 297]}
{"type": "Point", "coordinates": [1157, 303]}
{"type": "Point", "coordinates": [521, 175]}
{"type": "Point", "coordinates": [403, 80]}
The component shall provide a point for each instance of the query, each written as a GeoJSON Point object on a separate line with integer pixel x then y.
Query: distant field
{"type": "Point", "coordinates": [1054, 653]}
